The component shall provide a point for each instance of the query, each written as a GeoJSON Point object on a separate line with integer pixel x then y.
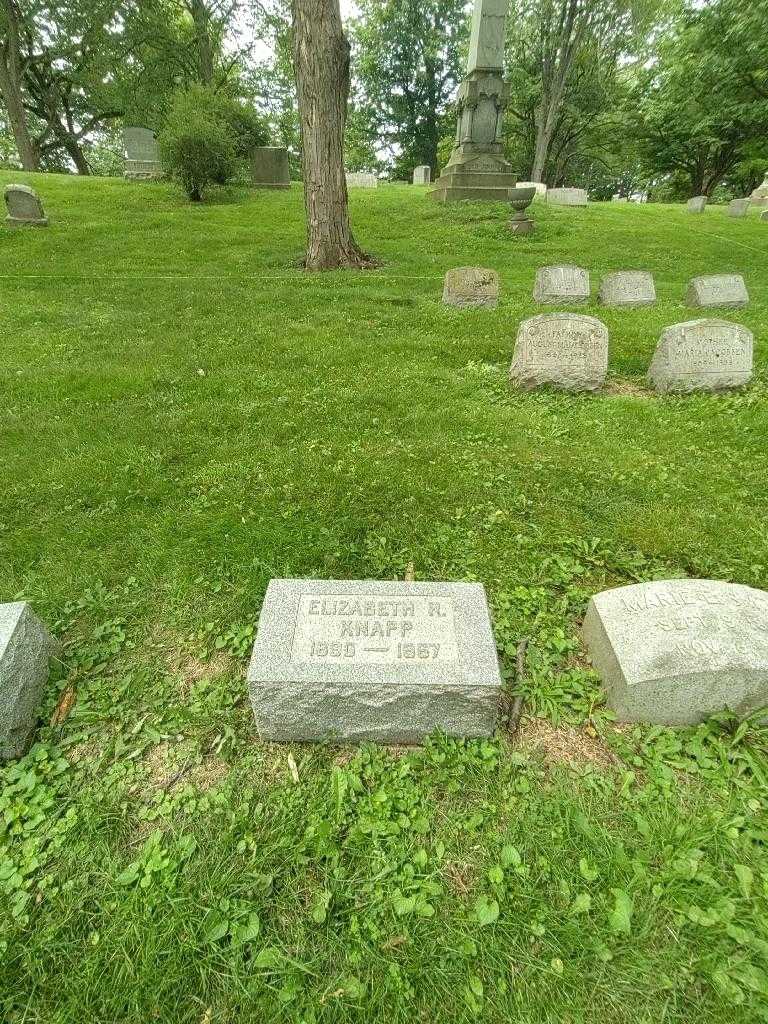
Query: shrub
{"type": "Point", "coordinates": [196, 146]}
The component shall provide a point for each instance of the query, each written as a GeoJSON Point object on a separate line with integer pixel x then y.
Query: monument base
{"type": "Point", "coordinates": [474, 178]}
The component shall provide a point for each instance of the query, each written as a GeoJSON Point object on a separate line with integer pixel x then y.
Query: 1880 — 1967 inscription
{"type": "Point", "coordinates": [673, 652]}
{"type": "Point", "coordinates": [388, 661]}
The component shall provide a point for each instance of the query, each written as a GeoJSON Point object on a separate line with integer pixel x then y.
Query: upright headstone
{"type": "Point", "coordinates": [541, 188]}
{"type": "Point", "coordinates": [567, 350]}
{"type": "Point", "coordinates": [26, 649]}
{"type": "Point", "coordinates": [739, 207]}
{"type": "Point", "coordinates": [702, 355]}
{"type": "Point", "coordinates": [350, 661]}
{"type": "Point", "coordinates": [697, 204]}
{"type": "Point", "coordinates": [627, 288]}
{"type": "Point", "coordinates": [471, 287]}
{"type": "Point", "coordinates": [764, 215]}
{"type": "Point", "coordinates": [24, 208]}
{"type": "Point", "coordinates": [565, 283]}
{"type": "Point", "coordinates": [674, 652]}
{"type": "Point", "coordinates": [142, 155]}
{"type": "Point", "coordinates": [422, 175]}
{"type": "Point", "coordinates": [619, 199]}
{"type": "Point", "coordinates": [567, 196]}
{"type": "Point", "coordinates": [759, 196]}
{"type": "Point", "coordinates": [477, 168]}
{"type": "Point", "coordinates": [362, 179]}
{"type": "Point", "coordinates": [269, 167]}
{"type": "Point", "coordinates": [726, 290]}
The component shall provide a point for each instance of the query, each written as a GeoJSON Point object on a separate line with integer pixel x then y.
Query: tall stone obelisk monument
{"type": "Point", "coordinates": [477, 168]}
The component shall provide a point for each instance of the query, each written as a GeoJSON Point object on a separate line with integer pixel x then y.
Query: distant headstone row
{"type": "Point", "coordinates": [24, 208]}
{"type": "Point", "coordinates": [391, 662]}
{"type": "Point", "coordinates": [567, 196]}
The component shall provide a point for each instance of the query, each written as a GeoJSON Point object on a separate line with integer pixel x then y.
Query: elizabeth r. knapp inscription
{"type": "Point", "coordinates": [702, 355]}
{"type": "Point", "coordinates": [349, 661]}
{"type": "Point", "coordinates": [674, 652]}
{"type": "Point", "coordinates": [567, 350]}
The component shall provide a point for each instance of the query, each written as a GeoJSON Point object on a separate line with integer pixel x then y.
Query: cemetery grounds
{"type": "Point", "coordinates": [186, 415]}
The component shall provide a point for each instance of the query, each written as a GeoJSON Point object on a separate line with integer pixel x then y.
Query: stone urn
{"type": "Point", "coordinates": [520, 199]}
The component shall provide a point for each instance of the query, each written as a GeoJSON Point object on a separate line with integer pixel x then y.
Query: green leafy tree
{"type": "Point", "coordinates": [409, 58]}
{"type": "Point", "coordinates": [703, 106]}
{"type": "Point", "coordinates": [197, 145]}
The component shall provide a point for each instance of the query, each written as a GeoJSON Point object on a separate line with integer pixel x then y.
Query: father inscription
{"type": "Point", "coordinates": [567, 350]}
{"type": "Point", "coordinates": [702, 355]}
{"type": "Point", "coordinates": [352, 660]}
{"type": "Point", "coordinates": [674, 652]}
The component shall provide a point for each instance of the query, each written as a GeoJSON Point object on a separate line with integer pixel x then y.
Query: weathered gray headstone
{"type": "Point", "coordinates": [759, 197]}
{"type": "Point", "coordinates": [764, 215]}
{"type": "Point", "coordinates": [345, 660]}
{"type": "Point", "coordinates": [739, 207]}
{"type": "Point", "coordinates": [142, 154]}
{"type": "Point", "coordinates": [360, 179]}
{"type": "Point", "coordinates": [26, 648]}
{"type": "Point", "coordinates": [422, 175]}
{"type": "Point", "coordinates": [269, 167]}
{"type": "Point", "coordinates": [541, 188]}
{"type": "Point", "coordinates": [567, 196]}
{"type": "Point", "coordinates": [471, 287]}
{"type": "Point", "coordinates": [627, 288]}
{"type": "Point", "coordinates": [674, 652]}
{"type": "Point", "coordinates": [697, 204]}
{"type": "Point", "coordinates": [726, 290]}
{"type": "Point", "coordinates": [24, 207]}
{"type": "Point", "coordinates": [567, 350]}
{"type": "Point", "coordinates": [702, 355]}
{"type": "Point", "coordinates": [565, 283]}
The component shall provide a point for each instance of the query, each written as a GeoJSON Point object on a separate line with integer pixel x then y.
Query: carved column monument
{"type": "Point", "coordinates": [477, 168]}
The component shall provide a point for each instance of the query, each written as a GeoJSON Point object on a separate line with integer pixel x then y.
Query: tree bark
{"type": "Point", "coordinates": [11, 73]}
{"type": "Point", "coordinates": [321, 64]}
{"type": "Point", "coordinates": [201, 18]}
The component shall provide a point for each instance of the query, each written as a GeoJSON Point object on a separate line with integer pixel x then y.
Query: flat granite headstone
{"type": "Point", "coordinates": [727, 290]}
{"type": "Point", "coordinates": [567, 196]}
{"type": "Point", "coordinates": [739, 207]}
{"type": "Point", "coordinates": [696, 204]}
{"type": "Point", "coordinates": [24, 207]}
{"type": "Point", "coordinates": [348, 661]}
{"type": "Point", "coordinates": [26, 648]}
{"type": "Point", "coordinates": [627, 288]}
{"type": "Point", "coordinates": [567, 350]}
{"type": "Point", "coordinates": [702, 355]}
{"type": "Point", "coordinates": [565, 283]}
{"type": "Point", "coordinates": [674, 652]}
{"type": "Point", "coordinates": [422, 175]}
{"type": "Point", "coordinates": [270, 168]}
{"type": "Point", "coordinates": [471, 287]}
{"type": "Point", "coordinates": [359, 179]}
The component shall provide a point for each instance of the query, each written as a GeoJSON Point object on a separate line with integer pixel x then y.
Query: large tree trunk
{"type": "Point", "coordinates": [202, 20]}
{"type": "Point", "coordinates": [541, 151]}
{"type": "Point", "coordinates": [10, 88]}
{"type": "Point", "coordinates": [321, 64]}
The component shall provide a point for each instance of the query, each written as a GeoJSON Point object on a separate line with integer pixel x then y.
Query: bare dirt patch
{"type": "Point", "coordinates": [566, 744]}
{"type": "Point", "coordinates": [460, 876]}
{"type": "Point", "coordinates": [626, 387]}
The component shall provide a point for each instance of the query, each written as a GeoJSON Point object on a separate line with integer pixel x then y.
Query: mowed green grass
{"type": "Point", "coordinates": [184, 415]}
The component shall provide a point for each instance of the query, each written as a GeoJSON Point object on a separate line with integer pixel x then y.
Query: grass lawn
{"type": "Point", "coordinates": [185, 415]}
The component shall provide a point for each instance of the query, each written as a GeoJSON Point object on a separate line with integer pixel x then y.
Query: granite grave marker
{"type": "Point", "coordinates": [565, 283]}
{"type": "Point", "coordinates": [346, 660]}
{"type": "Point", "coordinates": [702, 355]}
{"type": "Point", "coordinates": [422, 175]}
{"type": "Point", "coordinates": [24, 208]}
{"type": "Point", "coordinates": [632, 288]}
{"type": "Point", "coordinates": [567, 350]}
{"type": "Point", "coordinates": [726, 290]}
{"type": "Point", "coordinates": [26, 648]}
{"type": "Point", "coordinates": [142, 154]}
{"type": "Point", "coordinates": [674, 652]}
{"type": "Point", "coordinates": [567, 196]}
{"type": "Point", "coordinates": [739, 207]}
{"type": "Point", "coordinates": [270, 168]}
{"type": "Point", "coordinates": [468, 287]}
{"type": "Point", "coordinates": [696, 204]}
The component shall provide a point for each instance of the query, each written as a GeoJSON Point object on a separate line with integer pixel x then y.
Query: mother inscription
{"type": "Point", "coordinates": [674, 652]}
{"type": "Point", "coordinates": [345, 660]}
{"type": "Point", "coordinates": [567, 350]}
{"type": "Point", "coordinates": [702, 355]}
